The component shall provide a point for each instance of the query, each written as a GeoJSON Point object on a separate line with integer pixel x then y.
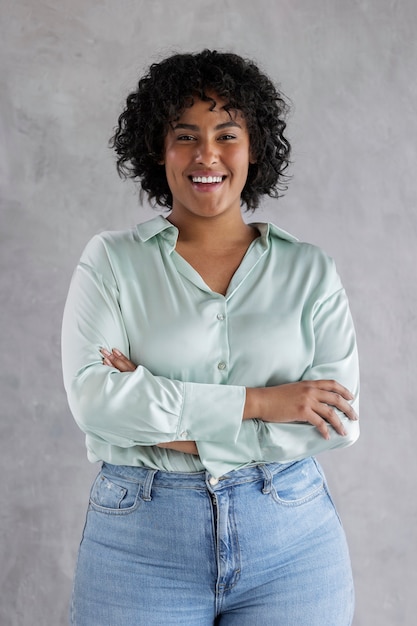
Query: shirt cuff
{"type": "Point", "coordinates": [211, 412]}
{"type": "Point", "coordinates": [220, 459]}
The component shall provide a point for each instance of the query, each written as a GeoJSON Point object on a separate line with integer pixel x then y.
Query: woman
{"type": "Point", "coordinates": [207, 360]}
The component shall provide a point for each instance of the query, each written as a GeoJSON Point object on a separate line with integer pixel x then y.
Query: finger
{"type": "Point", "coordinates": [334, 387]}
{"type": "Point", "coordinates": [338, 401]}
{"type": "Point", "coordinates": [106, 357]}
{"type": "Point", "coordinates": [118, 360]}
{"type": "Point", "coordinates": [320, 424]}
{"type": "Point", "coordinates": [329, 415]}
{"type": "Point", "coordinates": [122, 362]}
{"type": "Point", "coordinates": [119, 354]}
{"type": "Point", "coordinates": [110, 362]}
{"type": "Point", "coordinates": [326, 418]}
{"type": "Point", "coordinates": [114, 353]}
{"type": "Point", "coordinates": [122, 365]}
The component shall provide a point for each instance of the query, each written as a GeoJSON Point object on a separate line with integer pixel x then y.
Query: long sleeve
{"type": "Point", "coordinates": [329, 322]}
{"type": "Point", "coordinates": [335, 358]}
{"type": "Point", "coordinates": [135, 408]}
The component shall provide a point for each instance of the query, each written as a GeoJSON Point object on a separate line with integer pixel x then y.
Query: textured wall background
{"type": "Point", "coordinates": [67, 65]}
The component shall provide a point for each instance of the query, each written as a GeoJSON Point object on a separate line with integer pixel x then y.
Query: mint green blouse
{"type": "Point", "coordinates": [284, 318]}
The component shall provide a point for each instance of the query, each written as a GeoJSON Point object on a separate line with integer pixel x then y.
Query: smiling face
{"type": "Point", "coordinates": [207, 156]}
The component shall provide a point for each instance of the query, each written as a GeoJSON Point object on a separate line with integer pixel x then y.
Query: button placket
{"type": "Point", "coordinates": [223, 363]}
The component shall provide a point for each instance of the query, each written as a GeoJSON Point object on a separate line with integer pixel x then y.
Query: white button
{"type": "Point", "coordinates": [220, 317]}
{"type": "Point", "coordinates": [184, 434]}
{"type": "Point", "coordinates": [213, 481]}
{"type": "Point", "coordinates": [221, 365]}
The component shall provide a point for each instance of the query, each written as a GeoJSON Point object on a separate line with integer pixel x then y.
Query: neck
{"type": "Point", "coordinates": [206, 231]}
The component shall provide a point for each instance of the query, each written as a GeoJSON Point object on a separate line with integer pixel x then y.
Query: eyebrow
{"type": "Point", "coordinates": [230, 124]}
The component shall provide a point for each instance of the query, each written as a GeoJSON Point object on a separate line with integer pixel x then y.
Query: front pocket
{"type": "Point", "coordinates": [109, 496]}
{"type": "Point", "coordinates": [299, 483]}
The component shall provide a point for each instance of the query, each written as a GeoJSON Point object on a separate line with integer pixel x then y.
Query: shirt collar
{"type": "Point", "coordinates": [159, 224]}
{"type": "Point", "coordinates": [268, 230]}
{"type": "Point", "coordinates": [156, 226]}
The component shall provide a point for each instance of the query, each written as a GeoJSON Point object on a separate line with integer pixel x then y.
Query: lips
{"type": "Point", "coordinates": [206, 180]}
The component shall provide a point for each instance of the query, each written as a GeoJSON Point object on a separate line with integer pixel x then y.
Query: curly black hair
{"type": "Point", "coordinates": [169, 87]}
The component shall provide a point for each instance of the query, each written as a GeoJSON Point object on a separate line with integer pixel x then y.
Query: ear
{"type": "Point", "coordinates": [154, 156]}
{"type": "Point", "coordinates": [252, 159]}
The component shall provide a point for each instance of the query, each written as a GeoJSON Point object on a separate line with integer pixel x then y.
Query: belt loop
{"type": "Point", "coordinates": [267, 479]}
{"type": "Point", "coordinates": [147, 485]}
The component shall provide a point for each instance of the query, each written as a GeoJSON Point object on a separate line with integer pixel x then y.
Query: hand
{"type": "Point", "coordinates": [187, 447]}
{"type": "Point", "coordinates": [306, 401]}
{"type": "Point", "coordinates": [118, 360]}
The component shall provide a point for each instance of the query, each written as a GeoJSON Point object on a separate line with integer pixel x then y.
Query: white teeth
{"type": "Point", "coordinates": [206, 179]}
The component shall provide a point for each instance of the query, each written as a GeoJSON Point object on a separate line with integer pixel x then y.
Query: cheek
{"type": "Point", "coordinates": [175, 160]}
{"type": "Point", "coordinates": [240, 155]}
{"type": "Point", "coordinates": [240, 162]}
{"type": "Point", "coordinates": [171, 163]}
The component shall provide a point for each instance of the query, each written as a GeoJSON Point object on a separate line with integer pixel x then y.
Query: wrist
{"type": "Point", "coordinates": [253, 404]}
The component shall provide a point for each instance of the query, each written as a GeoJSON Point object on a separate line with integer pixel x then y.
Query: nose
{"type": "Point", "coordinates": [206, 152]}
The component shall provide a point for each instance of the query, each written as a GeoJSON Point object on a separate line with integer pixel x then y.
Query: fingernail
{"type": "Point", "coordinates": [104, 351]}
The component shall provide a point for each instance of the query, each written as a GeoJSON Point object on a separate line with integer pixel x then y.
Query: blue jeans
{"type": "Point", "coordinates": [262, 546]}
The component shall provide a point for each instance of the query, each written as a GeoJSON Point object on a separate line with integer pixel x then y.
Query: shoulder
{"type": "Point", "coordinates": [283, 241]}
{"type": "Point", "coordinates": [302, 260]}
{"type": "Point", "coordinates": [122, 244]}
{"type": "Point", "coordinates": [120, 255]}
{"type": "Point", "coordinates": [106, 245]}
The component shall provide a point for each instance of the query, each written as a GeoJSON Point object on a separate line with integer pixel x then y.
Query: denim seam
{"type": "Point", "coordinates": [113, 510]}
{"type": "Point", "coordinates": [289, 503]}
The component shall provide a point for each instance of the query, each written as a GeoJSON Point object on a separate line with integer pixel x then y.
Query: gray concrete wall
{"type": "Point", "coordinates": [350, 69]}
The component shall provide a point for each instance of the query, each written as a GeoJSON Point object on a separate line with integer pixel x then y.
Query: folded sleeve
{"type": "Point", "coordinates": [131, 408]}
{"type": "Point", "coordinates": [335, 357]}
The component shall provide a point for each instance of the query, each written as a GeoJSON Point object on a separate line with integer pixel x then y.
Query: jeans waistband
{"type": "Point", "coordinates": [195, 480]}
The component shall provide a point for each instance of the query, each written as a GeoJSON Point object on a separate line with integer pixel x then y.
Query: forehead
{"type": "Point", "coordinates": [214, 107]}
